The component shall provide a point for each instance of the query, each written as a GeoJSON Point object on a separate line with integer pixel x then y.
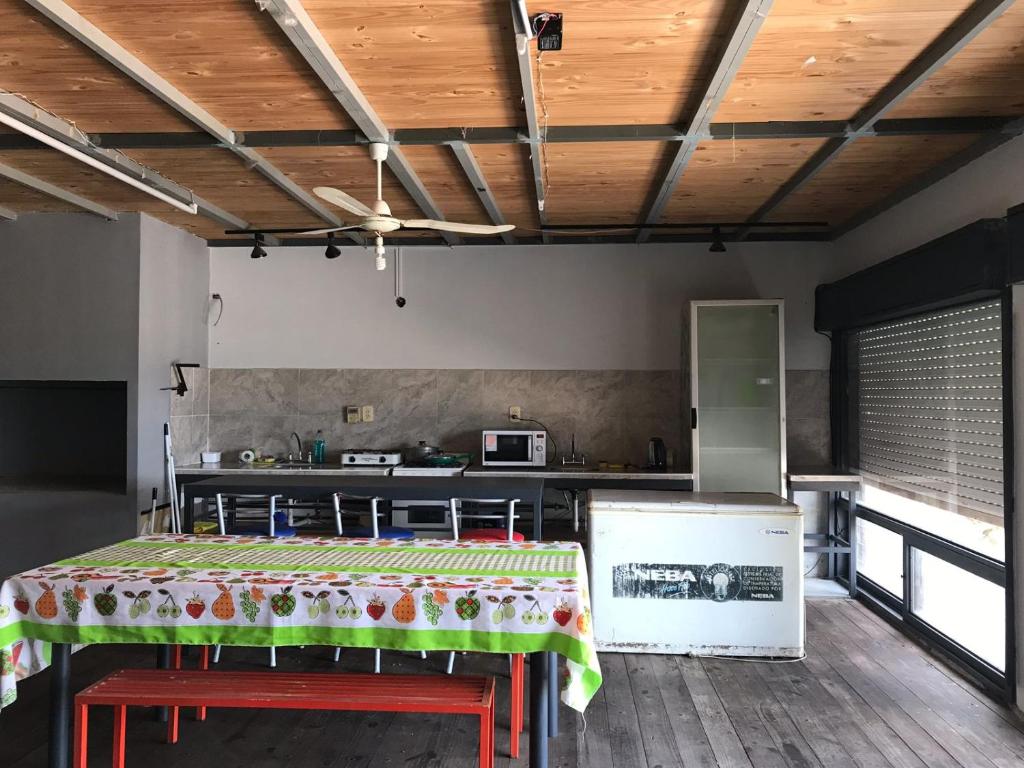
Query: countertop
{"type": "Point", "coordinates": [553, 472]}
{"type": "Point", "coordinates": [690, 501]}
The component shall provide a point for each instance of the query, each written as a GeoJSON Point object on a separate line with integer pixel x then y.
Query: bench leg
{"type": "Point", "coordinates": [517, 701]}
{"type": "Point", "coordinates": [204, 664]}
{"type": "Point", "coordinates": [81, 735]}
{"type": "Point", "coordinates": [487, 738]}
{"type": "Point", "coordinates": [120, 713]}
{"type": "Point", "coordinates": [176, 657]}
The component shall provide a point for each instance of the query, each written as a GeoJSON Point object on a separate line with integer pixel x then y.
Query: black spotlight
{"type": "Point", "coordinates": [717, 246]}
{"type": "Point", "coordinates": [332, 251]}
{"type": "Point", "coordinates": [257, 247]}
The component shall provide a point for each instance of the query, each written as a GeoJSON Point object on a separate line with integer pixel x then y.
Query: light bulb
{"type": "Point", "coordinates": [381, 262]}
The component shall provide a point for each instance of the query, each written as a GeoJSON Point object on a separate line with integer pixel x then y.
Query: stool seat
{"type": "Point", "coordinates": [490, 534]}
{"type": "Point", "coordinates": [384, 532]}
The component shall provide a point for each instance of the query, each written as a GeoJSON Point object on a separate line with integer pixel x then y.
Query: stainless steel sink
{"type": "Point", "coordinates": [292, 465]}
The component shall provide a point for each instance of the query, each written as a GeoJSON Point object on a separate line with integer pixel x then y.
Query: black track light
{"type": "Point", "coordinates": [257, 247]}
{"type": "Point", "coordinates": [332, 251]}
{"type": "Point", "coordinates": [717, 246]}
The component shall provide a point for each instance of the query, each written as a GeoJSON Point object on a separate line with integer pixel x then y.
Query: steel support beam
{"type": "Point", "coordinates": [747, 23]}
{"type": "Point", "coordinates": [533, 134]}
{"type": "Point", "coordinates": [299, 28]}
{"type": "Point", "coordinates": [7, 214]}
{"type": "Point", "coordinates": [476, 177]}
{"type": "Point", "coordinates": [65, 17]}
{"type": "Point", "coordinates": [932, 176]}
{"type": "Point", "coordinates": [20, 177]}
{"type": "Point", "coordinates": [60, 129]}
{"type": "Point", "coordinates": [968, 26]}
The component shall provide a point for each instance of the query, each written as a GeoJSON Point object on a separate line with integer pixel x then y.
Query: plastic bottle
{"type": "Point", "coordinates": [319, 448]}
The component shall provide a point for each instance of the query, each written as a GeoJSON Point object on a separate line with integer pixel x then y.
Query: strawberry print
{"type": "Point", "coordinates": [195, 606]}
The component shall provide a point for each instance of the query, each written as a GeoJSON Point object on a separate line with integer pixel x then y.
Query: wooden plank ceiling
{"type": "Point", "coordinates": [452, 64]}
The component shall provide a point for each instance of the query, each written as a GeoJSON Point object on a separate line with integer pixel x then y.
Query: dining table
{"type": "Point", "coordinates": [405, 595]}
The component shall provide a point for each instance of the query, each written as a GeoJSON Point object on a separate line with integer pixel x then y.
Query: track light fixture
{"type": "Point", "coordinates": [717, 246]}
{"type": "Point", "coordinates": [332, 251]}
{"type": "Point", "coordinates": [257, 247]}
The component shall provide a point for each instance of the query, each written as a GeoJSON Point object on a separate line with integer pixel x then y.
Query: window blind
{"type": "Point", "coordinates": [930, 408]}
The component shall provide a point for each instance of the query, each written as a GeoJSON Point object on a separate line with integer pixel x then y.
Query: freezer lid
{"type": "Point", "coordinates": [690, 502]}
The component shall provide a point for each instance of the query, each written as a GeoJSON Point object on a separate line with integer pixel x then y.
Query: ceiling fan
{"type": "Point", "coordinates": [378, 219]}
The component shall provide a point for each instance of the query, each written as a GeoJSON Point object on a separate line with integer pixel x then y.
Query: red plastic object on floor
{"type": "Point", "coordinates": [490, 534]}
{"type": "Point", "coordinates": [450, 694]}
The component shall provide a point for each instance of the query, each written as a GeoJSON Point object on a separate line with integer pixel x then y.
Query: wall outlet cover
{"type": "Point", "coordinates": [515, 412]}
{"type": "Point", "coordinates": [367, 413]}
{"type": "Point", "coordinates": [352, 414]}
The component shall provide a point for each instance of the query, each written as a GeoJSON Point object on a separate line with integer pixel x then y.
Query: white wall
{"type": "Point", "coordinates": [985, 188]}
{"type": "Point", "coordinates": [556, 307]}
{"type": "Point", "coordinates": [174, 278]}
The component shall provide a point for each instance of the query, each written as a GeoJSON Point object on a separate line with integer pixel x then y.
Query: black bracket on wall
{"type": "Point", "coordinates": [181, 387]}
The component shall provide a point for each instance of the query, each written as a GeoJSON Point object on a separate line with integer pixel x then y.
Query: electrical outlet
{"type": "Point", "coordinates": [367, 413]}
{"type": "Point", "coordinates": [515, 412]}
{"type": "Point", "coordinates": [352, 414]}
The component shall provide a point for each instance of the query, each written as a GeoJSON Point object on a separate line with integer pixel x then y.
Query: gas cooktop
{"type": "Point", "coordinates": [365, 456]}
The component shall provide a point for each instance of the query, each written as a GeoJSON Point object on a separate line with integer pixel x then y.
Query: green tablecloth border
{"type": "Point", "coordinates": [547, 551]}
{"type": "Point", "coordinates": [475, 641]}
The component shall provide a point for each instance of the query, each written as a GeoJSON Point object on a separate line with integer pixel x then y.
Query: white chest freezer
{"type": "Point", "coordinates": [700, 573]}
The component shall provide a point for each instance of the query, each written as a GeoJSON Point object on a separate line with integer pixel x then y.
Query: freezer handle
{"type": "Point", "coordinates": [693, 418]}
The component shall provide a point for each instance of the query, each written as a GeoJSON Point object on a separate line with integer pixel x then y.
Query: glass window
{"type": "Point", "coordinates": [880, 556]}
{"type": "Point", "coordinates": [966, 608]}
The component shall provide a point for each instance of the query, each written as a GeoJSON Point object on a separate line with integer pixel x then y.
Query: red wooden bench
{"type": "Point", "coordinates": [451, 694]}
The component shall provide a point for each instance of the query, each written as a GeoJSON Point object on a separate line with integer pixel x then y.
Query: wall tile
{"type": "Point", "coordinates": [201, 391]}
{"type": "Point", "coordinates": [325, 390]}
{"type": "Point", "coordinates": [231, 390]}
{"type": "Point", "coordinates": [200, 434]}
{"type": "Point", "coordinates": [275, 391]}
{"type": "Point", "coordinates": [181, 439]}
{"type": "Point", "coordinates": [229, 434]}
{"type": "Point", "coordinates": [182, 406]}
{"type": "Point", "coordinates": [503, 389]}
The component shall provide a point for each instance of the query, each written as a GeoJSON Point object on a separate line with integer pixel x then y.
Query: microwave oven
{"type": "Point", "coordinates": [514, 448]}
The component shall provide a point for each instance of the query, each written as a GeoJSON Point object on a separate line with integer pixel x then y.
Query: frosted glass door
{"type": "Point", "coordinates": [737, 394]}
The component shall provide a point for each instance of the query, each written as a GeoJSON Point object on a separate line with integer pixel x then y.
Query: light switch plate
{"type": "Point", "coordinates": [352, 414]}
{"type": "Point", "coordinates": [367, 413]}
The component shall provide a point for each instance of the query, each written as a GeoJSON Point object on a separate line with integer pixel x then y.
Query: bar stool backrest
{"type": "Point", "coordinates": [455, 512]}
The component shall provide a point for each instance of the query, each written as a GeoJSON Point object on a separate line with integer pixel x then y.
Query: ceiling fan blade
{"type": "Point", "coordinates": [342, 200]}
{"type": "Point", "coordinates": [452, 226]}
{"type": "Point", "coordinates": [329, 230]}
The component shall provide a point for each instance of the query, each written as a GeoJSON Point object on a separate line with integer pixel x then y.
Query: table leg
{"type": "Point", "coordinates": [832, 502]}
{"type": "Point", "coordinates": [553, 691]}
{"type": "Point", "coordinates": [163, 661]}
{"type": "Point", "coordinates": [187, 513]}
{"type": "Point", "coordinates": [851, 538]}
{"type": "Point", "coordinates": [60, 705]}
{"type": "Point", "coordinates": [538, 518]}
{"type": "Point", "coordinates": [539, 710]}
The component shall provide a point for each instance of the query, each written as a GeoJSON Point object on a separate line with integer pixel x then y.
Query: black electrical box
{"type": "Point", "coordinates": [548, 28]}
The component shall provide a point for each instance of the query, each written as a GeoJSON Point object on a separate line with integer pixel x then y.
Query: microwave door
{"type": "Point", "coordinates": [512, 449]}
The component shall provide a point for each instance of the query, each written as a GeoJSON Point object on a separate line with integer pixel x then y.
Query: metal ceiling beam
{"type": "Point", "coordinates": [299, 28]}
{"type": "Point", "coordinates": [533, 134]}
{"type": "Point", "coordinates": [26, 180]}
{"type": "Point", "coordinates": [95, 39]}
{"type": "Point", "coordinates": [476, 177]}
{"type": "Point", "coordinates": [7, 214]}
{"type": "Point", "coordinates": [932, 176]}
{"type": "Point", "coordinates": [794, 129]}
{"type": "Point", "coordinates": [60, 129]}
{"type": "Point", "coordinates": [968, 26]}
{"type": "Point", "coordinates": [745, 26]}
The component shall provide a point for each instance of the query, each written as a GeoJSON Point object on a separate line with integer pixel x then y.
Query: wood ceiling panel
{"type": "Point", "coordinates": [627, 62]}
{"type": "Point", "coordinates": [983, 79]}
{"type": "Point", "coordinates": [825, 59]}
{"type": "Point", "coordinates": [864, 173]}
{"type": "Point", "coordinates": [227, 56]}
{"type": "Point", "coordinates": [427, 63]}
{"type": "Point", "coordinates": [24, 200]}
{"type": "Point", "coordinates": [729, 180]}
{"type": "Point", "coordinates": [222, 178]}
{"type": "Point", "coordinates": [447, 182]}
{"type": "Point", "coordinates": [42, 63]}
{"type": "Point", "coordinates": [507, 170]}
{"type": "Point", "coordinates": [82, 180]}
{"type": "Point", "coordinates": [350, 169]}
{"type": "Point", "coordinates": [601, 182]}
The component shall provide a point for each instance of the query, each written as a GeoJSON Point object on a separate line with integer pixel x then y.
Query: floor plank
{"type": "Point", "coordinates": [865, 697]}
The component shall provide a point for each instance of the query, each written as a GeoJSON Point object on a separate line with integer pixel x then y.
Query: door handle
{"type": "Point", "coordinates": [693, 418]}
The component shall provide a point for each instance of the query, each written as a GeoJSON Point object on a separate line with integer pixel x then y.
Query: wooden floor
{"type": "Point", "coordinates": [865, 696]}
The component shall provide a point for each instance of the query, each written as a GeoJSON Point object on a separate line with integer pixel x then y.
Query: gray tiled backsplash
{"type": "Point", "coordinates": [190, 420]}
{"type": "Point", "coordinates": [613, 413]}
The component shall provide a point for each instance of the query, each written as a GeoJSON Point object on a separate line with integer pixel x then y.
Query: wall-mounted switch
{"type": "Point", "coordinates": [352, 414]}
{"type": "Point", "coordinates": [367, 413]}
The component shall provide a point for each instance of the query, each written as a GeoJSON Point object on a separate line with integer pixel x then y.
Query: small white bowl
{"type": "Point", "coordinates": [210, 457]}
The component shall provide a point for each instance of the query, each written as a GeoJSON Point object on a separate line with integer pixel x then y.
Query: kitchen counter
{"type": "Point", "coordinates": [568, 473]}
{"type": "Point", "coordinates": [241, 468]}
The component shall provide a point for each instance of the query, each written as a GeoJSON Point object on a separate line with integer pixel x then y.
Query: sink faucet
{"type": "Point", "coordinates": [298, 442]}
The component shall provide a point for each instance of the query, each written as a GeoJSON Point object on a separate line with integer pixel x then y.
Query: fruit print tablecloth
{"type": "Point", "coordinates": [419, 594]}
